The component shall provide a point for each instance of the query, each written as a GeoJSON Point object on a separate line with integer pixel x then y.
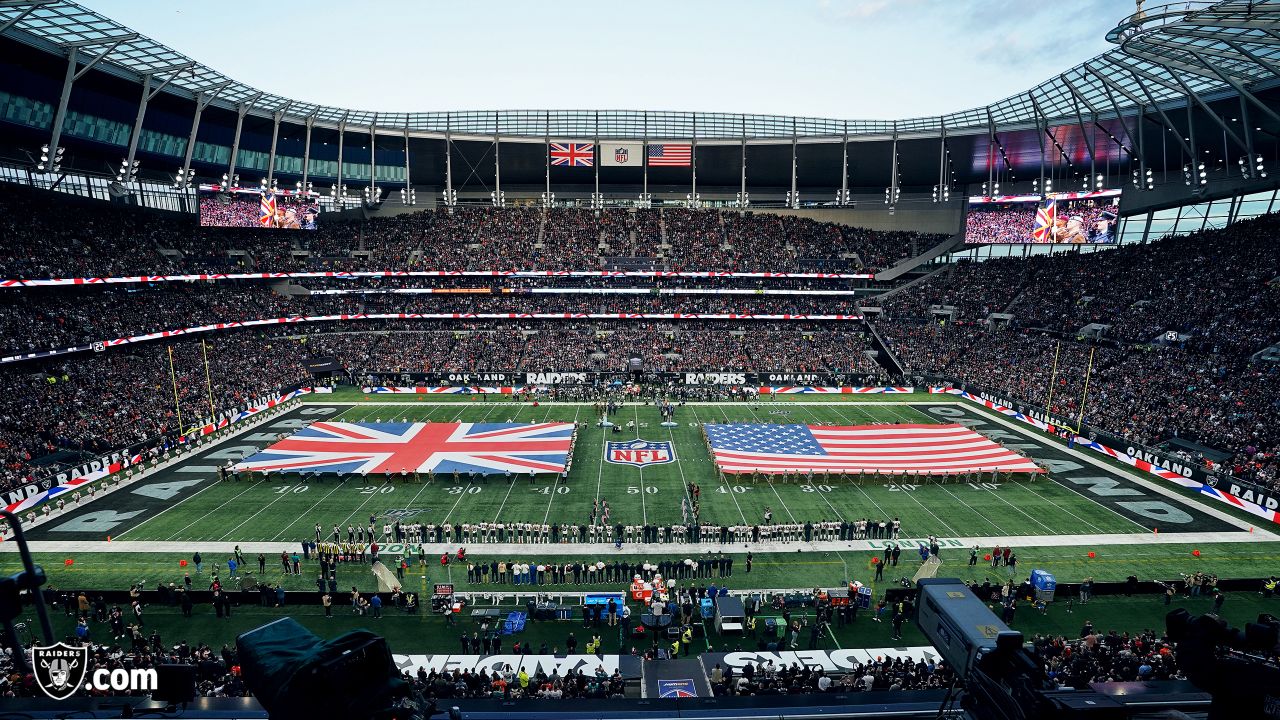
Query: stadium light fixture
{"type": "Point", "coordinates": [744, 199]}
{"type": "Point", "coordinates": [646, 200]}
{"type": "Point", "coordinates": [549, 199]}
{"type": "Point", "coordinates": [450, 197]}
{"type": "Point", "coordinates": [793, 199]}
{"type": "Point", "coordinates": [1097, 182]}
{"type": "Point", "coordinates": [693, 200]}
{"type": "Point", "coordinates": [498, 198]}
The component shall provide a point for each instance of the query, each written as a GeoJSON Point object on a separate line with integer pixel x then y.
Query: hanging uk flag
{"type": "Point", "coordinates": [573, 154]}
{"type": "Point", "coordinates": [379, 448]}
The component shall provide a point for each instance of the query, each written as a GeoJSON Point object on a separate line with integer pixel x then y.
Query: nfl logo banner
{"type": "Point", "coordinates": [622, 154]}
{"type": "Point", "coordinates": [639, 453]}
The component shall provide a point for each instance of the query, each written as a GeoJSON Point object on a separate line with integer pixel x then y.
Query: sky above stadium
{"type": "Point", "coordinates": [852, 59]}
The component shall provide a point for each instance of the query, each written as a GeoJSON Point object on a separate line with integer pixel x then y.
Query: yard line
{"type": "Point", "coordinates": [256, 514]}
{"type": "Point", "coordinates": [514, 478]}
{"type": "Point", "coordinates": [684, 483]}
{"type": "Point", "coordinates": [1131, 521]}
{"type": "Point", "coordinates": [976, 511]}
{"type": "Point", "coordinates": [728, 487]}
{"type": "Point", "coordinates": [770, 482]}
{"type": "Point", "coordinates": [815, 489]}
{"type": "Point", "coordinates": [556, 484]}
{"type": "Point", "coordinates": [193, 522]}
{"type": "Point", "coordinates": [469, 482]}
{"type": "Point", "coordinates": [313, 506]}
{"type": "Point", "coordinates": [644, 511]}
{"type": "Point", "coordinates": [372, 495]}
{"type": "Point", "coordinates": [461, 495]}
{"type": "Point", "coordinates": [909, 495]}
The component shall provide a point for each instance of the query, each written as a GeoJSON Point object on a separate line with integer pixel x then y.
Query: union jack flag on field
{"type": "Point", "coordinates": [573, 154]}
{"type": "Point", "coordinates": [378, 448]}
{"type": "Point", "coordinates": [267, 208]}
{"type": "Point", "coordinates": [1045, 216]}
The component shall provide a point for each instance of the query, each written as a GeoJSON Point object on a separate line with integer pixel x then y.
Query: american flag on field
{"type": "Point", "coordinates": [1045, 216]}
{"type": "Point", "coordinates": [887, 449]}
{"type": "Point", "coordinates": [267, 208]}
{"type": "Point", "coordinates": [573, 154]}
{"type": "Point", "coordinates": [667, 155]}
{"type": "Point", "coordinates": [378, 448]}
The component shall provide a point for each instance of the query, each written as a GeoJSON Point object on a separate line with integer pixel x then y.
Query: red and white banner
{"type": "Point", "coordinates": [1137, 463]}
{"type": "Point", "coordinates": [450, 390]}
{"type": "Point", "coordinates": [846, 390]}
{"type": "Point", "coordinates": [215, 277]}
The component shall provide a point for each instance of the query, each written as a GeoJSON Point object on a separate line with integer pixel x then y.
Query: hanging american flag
{"type": "Point", "coordinates": [573, 154]}
{"type": "Point", "coordinates": [912, 449]}
{"type": "Point", "coordinates": [667, 155]}
{"type": "Point", "coordinates": [267, 208]}
{"type": "Point", "coordinates": [377, 448]}
{"type": "Point", "coordinates": [1045, 216]}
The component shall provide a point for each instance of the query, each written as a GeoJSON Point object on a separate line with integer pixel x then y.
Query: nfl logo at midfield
{"type": "Point", "coordinates": [639, 453]}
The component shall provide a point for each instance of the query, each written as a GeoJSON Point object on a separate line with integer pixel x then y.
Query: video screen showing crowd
{"type": "Point", "coordinates": [264, 208]}
{"type": "Point", "coordinates": [1086, 218]}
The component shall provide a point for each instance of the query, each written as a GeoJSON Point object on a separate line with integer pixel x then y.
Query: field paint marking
{"type": "Point", "coordinates": [917, 502]}
{"type": "Point", "coordinates": [819, 493]}
{"type": "Point", "coordinates": [515, 478]}
{"type": "Point", "coordinates": [256, 514]}
{"type": "Point", "coordinates": [214, 483]}
{"type": "Point", "coordinates": [782, 502]}
{"type": "Point", "coordinates": [1119, 468]}
{"type": "Point", "coordinates": [684, 482]}
{"type": "Point", "coordinates": [644, 509]}
{"type": "Point", "coordinates": [470, 483]}
{"type": "Point", "coordinates": [555, 485]}
{"type": "Point", "coordinates": [317, 503]}
{"type": "Point", "coordinates": [957, 498]}
{"type": "Point", "coordinates": [314, 505]}
{"type": "Point", "coordinates": [729, 487]}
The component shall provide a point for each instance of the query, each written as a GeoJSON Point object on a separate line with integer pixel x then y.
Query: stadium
{"type": "Point", "coordinates": [678, 413]}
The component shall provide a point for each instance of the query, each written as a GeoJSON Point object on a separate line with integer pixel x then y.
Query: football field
{"type": "Point", "coordinates": [187, 503]}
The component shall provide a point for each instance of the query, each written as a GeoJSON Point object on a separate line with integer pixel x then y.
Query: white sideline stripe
{"type": "Point", "coordinates": [603, 550]}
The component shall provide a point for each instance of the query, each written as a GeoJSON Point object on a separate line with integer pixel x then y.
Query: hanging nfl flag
{"type": "Point", "coordinates": [622, 154]}
{"type": "Point", "coordinates": [573, 154]}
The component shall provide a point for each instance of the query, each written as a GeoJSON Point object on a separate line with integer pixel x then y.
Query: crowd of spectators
{"type": "Point", "coordinates": [33, 320]}
{"type": "Point", "coordinates": [883, 673]}
{"type": "Point", "coordinates": [1113, 657]}
{"type": "Point", "coordinates": [49, 235]}
{"type": "Point", "coordinates": [90, 404]}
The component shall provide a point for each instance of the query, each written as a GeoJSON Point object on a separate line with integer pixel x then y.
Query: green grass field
{"type": "Point", "coordinates": [280, 510]}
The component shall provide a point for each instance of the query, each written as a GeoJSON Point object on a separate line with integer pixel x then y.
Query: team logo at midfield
{"type": "Point", "coordinates": [639, 452]}
{"type": "Point", "coordinates": [60, 669]}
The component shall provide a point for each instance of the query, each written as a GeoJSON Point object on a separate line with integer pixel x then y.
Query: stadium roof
{"type": "Point", "coordinates": [1162, 56]}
